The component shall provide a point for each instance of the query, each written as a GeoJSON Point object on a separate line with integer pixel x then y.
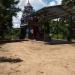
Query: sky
{"type": "Point", "coordinates": [37, 4]}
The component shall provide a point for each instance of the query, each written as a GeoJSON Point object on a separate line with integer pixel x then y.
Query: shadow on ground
{"type": "Point", "coordinates": [10, 60]}
{"type": "Point", "coordinates": [10, 41]}
{"type": "Point", "coordinates": [51, 42]}
{"type": "Point", "coordinates": [58, 42]}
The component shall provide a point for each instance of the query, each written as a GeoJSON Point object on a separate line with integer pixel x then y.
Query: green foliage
{"type": "Point", "coordinates": [8, 3]}
{"type": "Point", "coordinates": [59, 29]}
{"type": "Point", "coordinates": [7, 10]}
{"type": "Point", "coordinates": [13, 33]}
{"type": "Point", "coordinates": [16, 33]}
{"type": "Point", "coordinates": [70, 3]}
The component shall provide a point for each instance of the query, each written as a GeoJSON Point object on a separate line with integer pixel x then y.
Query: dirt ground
{"type": "Point", "coordinates": [38, 58]}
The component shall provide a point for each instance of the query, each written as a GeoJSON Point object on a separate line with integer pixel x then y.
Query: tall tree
{"type": "Point", "coordinates": [70, 3]}
{"type": "Point", "coordinates": [7, 10]}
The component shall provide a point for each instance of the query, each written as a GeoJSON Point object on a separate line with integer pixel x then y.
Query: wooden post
{"type": "Point", "coordinates": [62, 25]}
{"type": "Point", "coordinates": [70, 29]}
{"type": "Point", "coordinates": [44, 32]}
{"type": "Point", "coordinates": [44, 25]}
{"type": "Point", "coordinates": [12, 34]}
{"type": "Point", "coordinates": [57, 28]}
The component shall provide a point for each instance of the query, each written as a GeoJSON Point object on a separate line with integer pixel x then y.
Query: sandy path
{"type": "Point", "coordinates": [38, 59]}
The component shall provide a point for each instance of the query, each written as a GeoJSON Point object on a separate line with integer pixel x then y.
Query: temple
{"type": "Point", "coordinates": [38, 25]}
{"type": "Point", "coordinates": [28, 10]}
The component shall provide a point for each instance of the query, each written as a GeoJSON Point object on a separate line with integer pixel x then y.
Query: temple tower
{"type": "Point", "coordinates": [28, 9]}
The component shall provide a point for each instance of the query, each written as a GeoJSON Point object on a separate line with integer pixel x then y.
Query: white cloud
{"type": "Point", "coordinates": [51, 4]}
{"type": "Point", "coordinates": [56, 2]}
{"type": "Point", "coordinates": [59, 1]}
{"type": "Point", "coordinates": [16, 20]}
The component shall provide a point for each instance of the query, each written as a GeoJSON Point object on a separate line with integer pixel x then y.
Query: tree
{"type": "Point", "coordinates": [69, 3]}
{"type": "Point", "coordinates": [7, 10]}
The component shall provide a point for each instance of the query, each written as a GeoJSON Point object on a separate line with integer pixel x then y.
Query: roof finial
{"type": "Point", "coordinates": [28, 1]}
